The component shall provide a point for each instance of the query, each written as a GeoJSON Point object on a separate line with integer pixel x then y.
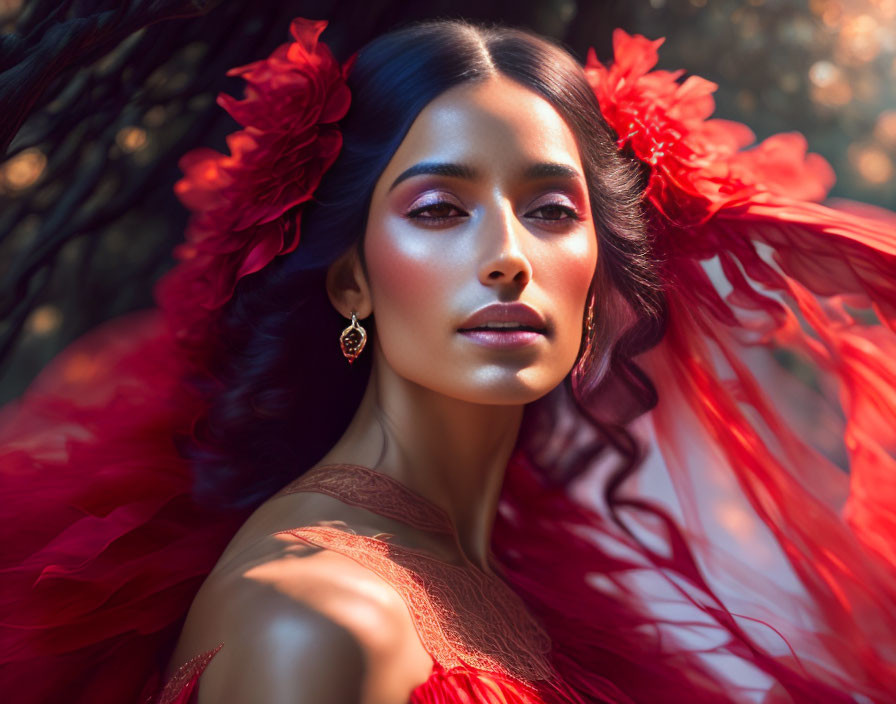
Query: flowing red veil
{"type": "Point", "coordinates": [743, 562]}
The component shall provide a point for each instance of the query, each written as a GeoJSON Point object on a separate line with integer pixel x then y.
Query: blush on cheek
{"type": "Point", "coordinates": [400, 280]}
{"type": "Point", "coordinates": [572, 275]}
{"type": "Point", "coordinates": [571, 290]}
{"type": "Point", "coordinates": [581, 268]}
{"type": "Point", "coordinates": [580, 271]}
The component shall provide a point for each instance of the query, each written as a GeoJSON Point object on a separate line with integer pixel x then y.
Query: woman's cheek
{"type": "Point", "coordinates": [571, 288]}
{"type": "Point", "coordinates": [408, 290]}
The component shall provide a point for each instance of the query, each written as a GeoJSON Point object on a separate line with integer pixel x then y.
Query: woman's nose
{"type": "Point", "coordinates": [504, 259]}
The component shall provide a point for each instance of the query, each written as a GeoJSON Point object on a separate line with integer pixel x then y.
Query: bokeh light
{"type": "Point", "coordinates": [885, 128]}
{"type": "Point", "coordinates": [43, 320]}
{"type": "Point", "coordinates": [871, 162]}
{"type": "Point", "coordinates": [828, 84]}
{"type": "Point", "coordinates": [886, 9]}
{"type": "Point", "coordinates": [859, 40]}
{"type": "Point", "coordinates": [9, 8]}
{"type": "Point", "coordinates": [23, 170]}
{"type": "Point", "coordinates": [131, 139]}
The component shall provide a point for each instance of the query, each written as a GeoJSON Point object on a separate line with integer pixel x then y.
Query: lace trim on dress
{"type": "Point", "coordinates": [462, 615]}
{"type": "Point", "coordinates": [179, 688]}
{"type": "Point", "coordinates": [378, 492]}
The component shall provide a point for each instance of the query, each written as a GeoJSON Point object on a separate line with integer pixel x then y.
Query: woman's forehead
{"type": "Point", "coordinates": [496, 124]}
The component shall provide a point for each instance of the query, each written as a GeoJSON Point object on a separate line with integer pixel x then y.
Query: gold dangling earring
{"type": "Point", "coordinates": [353, 339]}
{"type": "Point", "coordinates": [589, 324]}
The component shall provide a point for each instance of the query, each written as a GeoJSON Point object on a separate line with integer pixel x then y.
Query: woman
{"type": "Point", "coordinates": [443, 404]}
{"type": "Point", "coordinates": [449, 183]}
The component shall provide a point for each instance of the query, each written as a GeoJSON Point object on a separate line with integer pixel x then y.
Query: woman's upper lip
{"type": "Point", "coordinates": [506, 313]}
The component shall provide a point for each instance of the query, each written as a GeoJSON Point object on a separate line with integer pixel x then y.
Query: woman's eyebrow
{"type": "Point", "coordinates": [533, 172]}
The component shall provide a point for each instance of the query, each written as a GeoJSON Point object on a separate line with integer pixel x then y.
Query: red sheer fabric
{"type": "Point", "coordinates": [103, 549]}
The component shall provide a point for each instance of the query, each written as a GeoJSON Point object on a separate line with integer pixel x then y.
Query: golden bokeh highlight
{"type": "Point", "coordinates": [885, 128]}
{"type": "Point", "coordinates": [871, 162]}
{"type": "Point", "coordinates": [8, 8]}
{"type": "Point", "coordinates": [131, 139]}
{"type": "Point", "coordinates": [885, 9]}
{"type": "Point", "coordinates": [43, 320]}
{"type": "Point", "coordinates": [828, 84]}
{"type": "Point", "coordinates": [859, 40]}
{"type": "Point", "coordinates": [22, 170]}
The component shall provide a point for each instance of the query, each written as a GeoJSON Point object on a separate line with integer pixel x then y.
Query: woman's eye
{"type": "Point", "coordinates": [554, 212]}
{"type": "Point", "coordinates": [439, 212]}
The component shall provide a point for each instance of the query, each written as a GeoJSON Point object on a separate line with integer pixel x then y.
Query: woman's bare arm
{"type": "Point", "coordinates": [285, 654]}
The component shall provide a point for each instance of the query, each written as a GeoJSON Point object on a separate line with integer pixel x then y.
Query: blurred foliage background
{"type": "Point", "coordinates": [99, 99]}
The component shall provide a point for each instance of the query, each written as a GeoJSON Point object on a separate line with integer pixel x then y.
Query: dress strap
{"type": "Point", "coordinates": [375, 491]}
{"type": "Point", "coordinates": [179, 689]}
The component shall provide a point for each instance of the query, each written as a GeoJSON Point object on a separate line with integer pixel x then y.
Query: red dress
{"type": "Point", "coordinates": [485, 645]}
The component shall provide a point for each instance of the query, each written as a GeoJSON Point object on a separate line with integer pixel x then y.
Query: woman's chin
{"type": "Point", "coordinates": [501, 392]}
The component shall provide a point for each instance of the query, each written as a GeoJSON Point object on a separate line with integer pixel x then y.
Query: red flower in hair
{"type": "Point", "coordinates": [697, 166]}
{"type": "Point", "coordinates": [244, 204]}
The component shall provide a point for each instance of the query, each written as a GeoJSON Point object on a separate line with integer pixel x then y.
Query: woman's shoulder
{"type": "Point", "coordinates": [271, 644]}
{"type": "Point", "coordinates": [291, 617]}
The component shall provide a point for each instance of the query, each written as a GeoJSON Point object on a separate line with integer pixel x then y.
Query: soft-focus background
{"type": "Point", "coordinates": [98, 100]}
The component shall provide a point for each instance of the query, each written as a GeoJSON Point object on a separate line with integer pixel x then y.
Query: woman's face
{"type": "Point", "coordinates": [493, 210]}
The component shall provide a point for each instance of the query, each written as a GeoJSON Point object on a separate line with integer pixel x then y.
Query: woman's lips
{"type": "Point", "coordinates": [502, 339]}
{"type": "Point", "coordinates": [516, 313]}
{"type": "Point", "coordinates": [505, 326]}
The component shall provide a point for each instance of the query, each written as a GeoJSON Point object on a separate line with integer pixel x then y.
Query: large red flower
{"type": "Point", "coordinates": [698, 165]}
{"type": "Point", "coordinates": [242, 203]}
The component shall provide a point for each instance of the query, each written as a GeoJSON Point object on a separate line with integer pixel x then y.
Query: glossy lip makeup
{"type": "Point", "coordinates": [505, 326]}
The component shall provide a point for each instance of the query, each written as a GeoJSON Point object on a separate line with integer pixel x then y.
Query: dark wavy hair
{"type": "Point", "coordinates": [287, 394]}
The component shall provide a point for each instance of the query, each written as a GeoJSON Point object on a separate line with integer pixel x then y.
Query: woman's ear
{"type": "Point", "coordinates": [347, 285]}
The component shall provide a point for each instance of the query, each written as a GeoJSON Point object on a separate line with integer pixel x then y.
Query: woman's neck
{"type": "Point", "coordinates": [450, 451]}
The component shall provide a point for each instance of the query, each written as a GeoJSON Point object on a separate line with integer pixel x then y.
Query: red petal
{"type": "Point", "coordinates": [263, 251]}
{"type": "Point", "coordinates": [306, 32]}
